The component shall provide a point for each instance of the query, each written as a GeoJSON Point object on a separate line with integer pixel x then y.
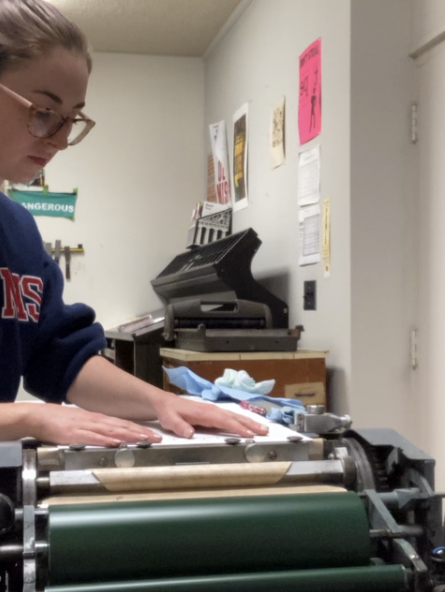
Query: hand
{"type": "Point", "coordinates": [67, 425]}
{"type": "Point", "coordinates": [100, 386]}
{"type": "Point", "coordinates": [179, 415]}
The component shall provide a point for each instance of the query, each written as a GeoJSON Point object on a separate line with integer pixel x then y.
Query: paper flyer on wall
{"type": "Point", "coordinates": [218, 138]}
{"type": "Point", "coordinates": [309, 231]}
{"type": "Point", "coordinates": [240, 148]}
{"type": "Point", "coordinates": [277, 147]}
{"type": "Point", "coordinates": [309, 105]}
{"type": "Point", "coordinates": [309, 169]}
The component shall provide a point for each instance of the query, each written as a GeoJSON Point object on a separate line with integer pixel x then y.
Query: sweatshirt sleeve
{"type": "Point", "coordinates": [67, 338]}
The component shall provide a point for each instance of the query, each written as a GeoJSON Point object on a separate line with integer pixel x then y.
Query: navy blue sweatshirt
{"type": "Point", "coordinates": [41, 338]}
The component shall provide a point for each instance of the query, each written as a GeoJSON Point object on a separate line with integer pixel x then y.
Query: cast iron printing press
{"type": "Point", "coordinates": [335, 512]}
{"type": "Point", "coordinates": [213, 303]}
{"type": "Point", "coordinates": [320, 509]}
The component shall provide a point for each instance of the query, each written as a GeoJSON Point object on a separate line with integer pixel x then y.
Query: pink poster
{"type": "Point", "coordinates": [309, 107]}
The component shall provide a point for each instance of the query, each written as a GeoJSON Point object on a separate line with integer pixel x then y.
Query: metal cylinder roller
{"type": "Point", "coordinates": [134, 541]}
{"type": "Point", "coordinates": [389, 578]}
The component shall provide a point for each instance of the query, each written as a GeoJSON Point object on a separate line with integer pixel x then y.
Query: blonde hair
{"type": "Point", "coordinates": [29, 28]}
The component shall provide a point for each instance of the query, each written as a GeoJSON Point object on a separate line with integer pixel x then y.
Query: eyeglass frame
{"type": "Point", "coordinates": [34, 108]}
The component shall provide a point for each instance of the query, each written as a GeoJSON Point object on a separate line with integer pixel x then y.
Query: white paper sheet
{"type": "Point", "coordinates": [277, 432]}
{"type": "Point", "coordinates": [309, 231]}
{"type": "Point", "coordinates": [309, 167]}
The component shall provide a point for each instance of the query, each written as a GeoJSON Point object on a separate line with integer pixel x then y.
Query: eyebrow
{"type": "Point", "coordinates": [57, 99]}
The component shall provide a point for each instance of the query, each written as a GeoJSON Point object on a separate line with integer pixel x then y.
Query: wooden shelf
{"type": "Point", "coordinates": [298, 375]}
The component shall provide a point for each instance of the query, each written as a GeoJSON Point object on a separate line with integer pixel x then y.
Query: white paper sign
{"type": "Point", "coordinates": [309, 168]}
{"type": "Point", "coordinates": [309, 231]}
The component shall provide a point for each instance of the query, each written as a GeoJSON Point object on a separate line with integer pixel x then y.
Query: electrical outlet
{"type": "Point", "coordinates": [310, 296]}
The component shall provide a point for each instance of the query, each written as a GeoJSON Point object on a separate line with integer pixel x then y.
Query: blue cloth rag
{"type": "Point", "coordinates": [188, 381]}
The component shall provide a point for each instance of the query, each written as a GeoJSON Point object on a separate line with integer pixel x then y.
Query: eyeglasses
{"type": "Point", "coordinates": [45, 123]}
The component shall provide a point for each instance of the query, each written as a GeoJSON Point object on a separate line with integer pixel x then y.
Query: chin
{"type": "Point", "coordinates": [21, 177]}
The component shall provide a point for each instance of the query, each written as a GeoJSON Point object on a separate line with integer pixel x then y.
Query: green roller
{"type": "Point", "coordinates": [386, 578]}
{"type": "Point", "coordinates": [149, 540]}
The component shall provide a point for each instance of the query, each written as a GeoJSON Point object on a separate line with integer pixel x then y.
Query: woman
{"type": "Point", "coordinates": [44, 71]}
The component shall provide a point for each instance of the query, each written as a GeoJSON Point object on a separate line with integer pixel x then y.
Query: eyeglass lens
{"type": "Point", "coordinates": [45, 123]}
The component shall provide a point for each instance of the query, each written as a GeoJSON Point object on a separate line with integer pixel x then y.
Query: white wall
{"type": "Point", "coordinates": [431, 401]}
{"type": "Point", "coordinates": [139, 173]}
{"type": "Point", "coordinates": [257, 62]}
{"type": "Point", "coordinates": [428, 22]}
{"type": "Point", "coordinates": [366, 308]}
{"type": "Point", "coordinates": [383, 215]}
{"type": "Point", "coordinates": [428, 28]}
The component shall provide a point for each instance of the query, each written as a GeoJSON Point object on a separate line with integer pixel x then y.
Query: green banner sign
{"type": "Point", "coordinates": [44, 203]}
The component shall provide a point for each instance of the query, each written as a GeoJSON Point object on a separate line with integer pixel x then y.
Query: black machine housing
{"type": "Point", "coordinates": [213, 303]}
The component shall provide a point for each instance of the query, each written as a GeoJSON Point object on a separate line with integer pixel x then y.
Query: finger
{"type": "Point", "coordinates": [120, 430]}
{"type": "Point", "coordinates": [258, 428]}
{"type": "Point", "coordinates": [233, 425]}
{"type": "Point", "coordinates": [123, 433]}
{"type": "Point", "coordinates": [90, 438]}
{"type": "Point", "coordinates": [215, 417]}
{"type": "Point", "coordinates": [95, 439]}
{"type": "Point", "coordinates": [177, 425]}
{"type": "Point", "coordinates": [130, 431]}
{"type": "Point", "coordinates": [126, 424]}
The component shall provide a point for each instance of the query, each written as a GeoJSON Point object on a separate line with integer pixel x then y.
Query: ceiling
{"type": "Point", "coordinates": [156, 27]}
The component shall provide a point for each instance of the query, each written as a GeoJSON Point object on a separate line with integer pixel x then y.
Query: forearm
{"type": "Point", "coordinates": [16, 420]}
{"type": "Point", "coordinates": [104, 388]}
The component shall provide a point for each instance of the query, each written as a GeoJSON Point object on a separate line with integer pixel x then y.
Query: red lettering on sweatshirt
{"type": "Point", "coordinates": [32, 288]}
{"type": "Point", "coordinates": [17, 291]}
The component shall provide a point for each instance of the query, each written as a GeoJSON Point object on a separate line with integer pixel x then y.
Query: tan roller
{"type": "Point", "coordinates": [175, 495]}
{"type": "Point", "coordinates": [192, 476]}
